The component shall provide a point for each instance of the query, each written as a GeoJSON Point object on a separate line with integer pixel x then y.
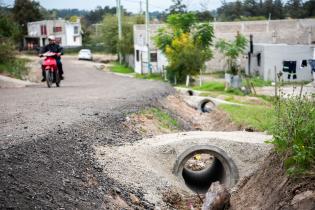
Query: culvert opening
{"type": "Point", "coordinates": [190, 92]}
{"type": "Point", "coordinates": [212, 164]}
{"type": "Point", "coordinates": [206, 105]}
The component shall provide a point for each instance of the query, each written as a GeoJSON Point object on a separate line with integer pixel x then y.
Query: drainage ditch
{"type": "Point", "coordinates": [221, 168]}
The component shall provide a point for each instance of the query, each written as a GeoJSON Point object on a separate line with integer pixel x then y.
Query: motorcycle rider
{"type": "Point", "coordinates": [55, 48]}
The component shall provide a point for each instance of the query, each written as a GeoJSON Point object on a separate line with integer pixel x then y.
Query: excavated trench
{"type": "Point", "coordinates": [222, 169]}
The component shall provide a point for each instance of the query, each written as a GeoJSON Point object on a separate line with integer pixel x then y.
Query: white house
{"type": "Point", "coordinates": [269, 59]}
{"type": "Point", "coordinates": [68, 34]}
{"type": "Point", "coordinates": [157, 59]}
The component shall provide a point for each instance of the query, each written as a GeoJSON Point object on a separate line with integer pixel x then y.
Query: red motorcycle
{"type": "Point", "coordinates": [51, 69]}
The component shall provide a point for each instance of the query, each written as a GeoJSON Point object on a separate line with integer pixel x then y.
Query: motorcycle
{"type": "Point", "coordinates": [51, 69]}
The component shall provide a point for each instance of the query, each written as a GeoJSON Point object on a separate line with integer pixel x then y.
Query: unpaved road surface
{"type": "Point", "coordinates": [47, 138]}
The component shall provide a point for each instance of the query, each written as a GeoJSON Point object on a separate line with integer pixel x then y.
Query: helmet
{"type": "Point", "coordinates": [52, 37]}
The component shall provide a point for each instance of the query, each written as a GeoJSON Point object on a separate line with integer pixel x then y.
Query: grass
{"type": "Point", "coordinates": [257, 82]}
{"type": "Point", "coordinates": [260, 118]}
{"type": "Point", "coordinates": [165, 120]}
{"type": "Point", "coordinates": [211, 86]}
{"type": "Point", "coordinates": [150, 76]}
{"type": "Point", "coordinates": [118, 68]}
{"type": "Point", "coordinates": [15, 68]}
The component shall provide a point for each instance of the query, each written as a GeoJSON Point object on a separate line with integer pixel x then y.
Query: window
{"type": "Point", "coordinates": [57, 29]}
{"type": "Point", "coordinates": [153, 57]}
{"type": "Point", "coordinates": [58, 40]}
{"type": "Point", "coordinates": [74, 39]}
{"type": "Point", "coordinates": [258, 59]}
{"type": "Point", "coordinates": [304, 63]}
{"type": "Point", "coordinates": [43, 30]}
{"type": "Point", "coordinates": [76, 29]}
{"type": "Point", "coordinates": [137, 55]}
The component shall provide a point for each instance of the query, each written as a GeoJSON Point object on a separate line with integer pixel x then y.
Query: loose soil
{"type": "Point", "coordinates": [270, 187]}
{"type": "Point", "coordinates": [216, 120]}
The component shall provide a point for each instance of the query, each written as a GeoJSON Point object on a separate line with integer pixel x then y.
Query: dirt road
{"type": "Point", "coordinates": [46, 138]}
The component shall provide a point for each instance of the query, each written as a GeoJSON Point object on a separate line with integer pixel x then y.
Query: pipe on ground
{"type": "Point", "coordinates": [206, 105]}
{"type": "Point", "coordinates": [223, 169]}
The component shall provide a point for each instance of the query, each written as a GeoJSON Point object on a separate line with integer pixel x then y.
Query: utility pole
{"type": "Point", "coordinates": [147, 38]}
{"type": "Point", "coordinates": [119, 29]}
{"type": "Point", "coordinates": [141, 7]}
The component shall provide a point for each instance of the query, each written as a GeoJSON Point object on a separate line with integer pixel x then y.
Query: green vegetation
{"type": "Point", "coordinates": [118, 68]}
{"type": "Point", "coordinates": [109, 35]}
{"type": "Point", "coordinates": [150, 76]}
{"type": "Point", "coordinates": [257, 82]}
{"type": "Point", "coordinates": [232, 50]}
{"type": "Point", "coordinates": [217, 88]}
{"type": "Point", "coordinates": [9, 34]}
{"type": "Point", "coordinates": [294, 134]}
{"type": "Point", "coordinates": [14, 68]}
{"type": "Point", "coordinates": [165, 120]}
{"type": "Point", "coordinates": [186, 44]}
{"type": "Point", "coordinates": [260, 118]}
{"type": "Point", "coordinates": [211, 86]}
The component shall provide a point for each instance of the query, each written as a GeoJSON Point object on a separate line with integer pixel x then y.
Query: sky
{"type": "Point", "coordinates": [130, 5]}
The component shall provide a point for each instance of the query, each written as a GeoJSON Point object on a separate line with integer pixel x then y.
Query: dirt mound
{"type": "Point", "coordinates": [271, 188]}
{"type": "Point", "coordinates": [216, 120]}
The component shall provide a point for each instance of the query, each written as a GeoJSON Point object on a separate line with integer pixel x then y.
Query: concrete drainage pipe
{"type": "Point", "coordinates": [206, 105]}
{"type": "Point", "coordinates": [190, 92]}
{"type": "Point", "coordinates": [222, 169]}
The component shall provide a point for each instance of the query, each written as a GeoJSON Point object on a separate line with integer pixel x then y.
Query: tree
{"type": "Point", "coordinates": [187, 45]}
{"type": "Point", "coordinates": [295, 9]}
{"type": "Point", "coordinates": [110, 34]}
{"type": "Point", "coordinates": [278, 10]}
{"type": "Point", "coordinates": [309, 8]}
{"type": "Point", "coordinates": [25, 11]}
{"type": "Point", "coordinates": [9, 33]}
{"type": "Point", "coordinates": [232, 50]}
{"type": "Point", "coordinates": [230, 11]}
{"type": "Point", "coordinates": [250, 8]}
{"type": "Point", "coordinates": [204, 16]}
{"type": "Point", "coordinates": [177, 7]}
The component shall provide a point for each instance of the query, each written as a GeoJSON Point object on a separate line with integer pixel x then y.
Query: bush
{"type": "Point", "coordinates": [7, 50]}
{"type": "Point", "coordinates": [15, 68]}
{"type": "Point", "coordinates": [294, 134]}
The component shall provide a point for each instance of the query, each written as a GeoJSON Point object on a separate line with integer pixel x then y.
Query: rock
{"type": "Point", "coordinates": [217, 197]}
{"type": "Point", "coordinates": [172, 197]}
{"type": "Point", "coordinates": [134, 199]}
{"type": "Point", "coordinates": [304, 200]}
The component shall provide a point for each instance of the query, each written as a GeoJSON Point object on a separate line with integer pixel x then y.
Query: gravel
{"type": "Point", "coordinates": [47, 138]}
{"type": "Point", "coordinates": [148, 164]}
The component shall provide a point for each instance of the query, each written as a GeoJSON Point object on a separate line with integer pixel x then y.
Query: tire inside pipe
{"type": "Point", "coordinates": [223, 169]}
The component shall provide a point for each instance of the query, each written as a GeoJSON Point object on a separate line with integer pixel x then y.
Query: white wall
{"type": "Point", "coordinates": [70, 42]}
{"type": "Point", "coordinates": [273, 56]}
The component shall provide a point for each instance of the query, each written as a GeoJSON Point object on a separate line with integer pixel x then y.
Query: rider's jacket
{"type": "Point", "coordinates": [55, 48]}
